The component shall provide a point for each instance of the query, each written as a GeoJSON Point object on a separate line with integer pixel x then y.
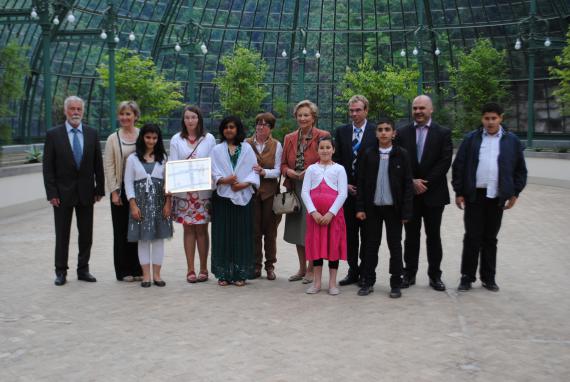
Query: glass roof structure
{"type": "Point", "coordinates": [335, 34]}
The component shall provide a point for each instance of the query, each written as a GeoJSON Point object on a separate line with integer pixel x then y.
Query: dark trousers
{"type": "Point", "coordinates": [125, 254]}
{"type": "Point", "coordinates": [354, 236]}
{"type": "Point", "coordinates": [265, 224]}
{"type": "Point", "coordinates": [482, 220]}
{"type": "Point", "coordinates": [432, 223]}
{"type": "Point", "coordinates": [373, 227]}
{"type": "Point", "coordinates": [84, 217]}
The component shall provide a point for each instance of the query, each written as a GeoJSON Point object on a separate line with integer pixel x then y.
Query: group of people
{"type": "Point", "coordinates": [351, 184]}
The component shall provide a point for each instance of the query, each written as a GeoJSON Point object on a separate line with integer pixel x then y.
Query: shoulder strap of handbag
{"type": "Point", "coordinates": [198, 144]}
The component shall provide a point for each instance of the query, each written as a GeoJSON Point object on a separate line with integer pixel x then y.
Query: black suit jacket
{"type": "Point", "coordinates": [400, 178]}
{"type": "Point", "coordinates": [62, 179]}
{"type": "Point", "coordinates": [343, 147]}
{"type": "Point", "coordinates": [435, 163]}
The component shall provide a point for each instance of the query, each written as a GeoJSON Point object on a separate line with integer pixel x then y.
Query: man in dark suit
{"type": "Point", "coordinates": [433, 150]}
{"type": "Point", "coordinates": [74, 180]}
{"type": "Point", "coordinates": [351, 142]}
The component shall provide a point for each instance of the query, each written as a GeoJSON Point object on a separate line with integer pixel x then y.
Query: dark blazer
{"type": "Point", "coordinates": [400, 174]}
{"type": "Point", "coordinates": [512, 166]}
{"type": "Point", "coordinates": [62, 179]}
{"type": "Point", "coordinates": [343, 147]}
{"type": "Point", "coordinates": [436, 160]}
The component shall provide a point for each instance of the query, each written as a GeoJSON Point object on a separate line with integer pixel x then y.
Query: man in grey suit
{"type": "Point", "coordinates": [74, 180]}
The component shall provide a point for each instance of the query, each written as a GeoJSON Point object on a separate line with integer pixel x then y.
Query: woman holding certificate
{"type": "Point", "coordinates": [119, 146]}
{"type": "Point", "coordinates": [193, 209]}
{"type": "Point", "coordinates": [299, 152]}
{"type": "Point", "coordinates": [233, 161]}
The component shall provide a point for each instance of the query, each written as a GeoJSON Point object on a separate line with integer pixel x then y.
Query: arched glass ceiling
{"type": "Point", "coordinates": [342, 31]}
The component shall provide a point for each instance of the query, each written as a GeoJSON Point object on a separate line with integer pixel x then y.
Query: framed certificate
{"type": "Point", "coordinates": [188, 175]}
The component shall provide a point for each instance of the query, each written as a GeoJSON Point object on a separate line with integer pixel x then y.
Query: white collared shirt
{"type": "Point", "coordinates": [487, 175]}
{"type": "Point", "coordinates": [79, 133]}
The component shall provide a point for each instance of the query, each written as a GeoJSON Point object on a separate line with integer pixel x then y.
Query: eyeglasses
{"type": "Point", "coordinates": [355, 110]}
{"type": "Point", "coordinates": [381, 129]}
{"type": "Point", "coordinates": [262, 124]}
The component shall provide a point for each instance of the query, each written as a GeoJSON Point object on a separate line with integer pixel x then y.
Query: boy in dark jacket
{"type": "Point", "coordinates": [489, 172]}
{"type": "Point", "coordinates": [384, 194]}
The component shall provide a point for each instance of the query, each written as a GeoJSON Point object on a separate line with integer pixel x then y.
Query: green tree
{"type": "Point", "coordinates": [387, 91]}
{"type": "Point", "coordinates": [563, 72]}
{"type": "Point", "coordinates": [137, 78]}
{"type": "Point", "coordinates": [477, 79]}
{"type": "Point", "coordinates": [240, 85]}
{"type": "Point", "coordinates": [285, 122]}
{"type": "Point", "coordinates": [13, 69]}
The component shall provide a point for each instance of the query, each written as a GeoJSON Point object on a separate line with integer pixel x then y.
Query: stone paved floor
{"type": "Point", "coordinates": [272, 331]}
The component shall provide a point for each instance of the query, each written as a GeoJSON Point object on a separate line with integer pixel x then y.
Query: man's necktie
{"type": "Point", "coordinates": [355, 147]}
{"type": "Point", "coordinates": [77, 152]}
{"type": "Point", "coordinates": [420, 142]}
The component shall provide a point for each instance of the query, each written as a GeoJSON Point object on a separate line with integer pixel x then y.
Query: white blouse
{"type": "Point", "coordinates": [135, 171]}
{"type": "Point", "coordinates": [222, 167]}
{"type": "Point", "coordinates": [334, 176]}
{"type": "Point", "coordinates": [180, 149]}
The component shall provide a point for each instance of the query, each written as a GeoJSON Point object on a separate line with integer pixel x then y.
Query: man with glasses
{"type": "Point", "coordinates": [351, 141]}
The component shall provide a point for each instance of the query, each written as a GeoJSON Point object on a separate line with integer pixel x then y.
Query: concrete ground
{"type": "Point", "coordinates": [272, 330]}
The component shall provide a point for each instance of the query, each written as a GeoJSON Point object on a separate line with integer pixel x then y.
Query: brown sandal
{"type": "Point", "coordinates": [239, 283]}
{"type": "Point", "coordinates": [203, 276]}
{"type": "Point", "coordinates": [191, 277]}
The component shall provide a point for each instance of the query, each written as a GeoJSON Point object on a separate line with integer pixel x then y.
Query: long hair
{"type": "Point", "coordinates": [240, 136]}
{"type": "Point", "coordinates": [159, 151]}
{"type": "Point", "coordinates": [199, 129]}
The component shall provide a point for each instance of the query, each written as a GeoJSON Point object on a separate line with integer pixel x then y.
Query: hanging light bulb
{"type": "Point", "coordinates": [317, 55]}
{"type": "Point", "coordinates": [204, 48]}
{"type": "Point", "coordinates": [518, 44]}
{"type": "Point", "coordinates": [547, 42]}
{"type": "Point", "coordinates": [56, 20]}
{"type": "Point", "coordinates": [132, 36]}
{"type": "Point", "coordinates": [103, 35]}
{"type": "Point", "coordinates": [34, 13]}
{"type": "Point", "coordinates": [70, 18]}
{"type": "Point", "coordinates": [284, 54]}
{"type": "Point", "coordinates": [437, 52]}
{"type": "Point", "coordinates": [177, 47]}
{"type": "Point", "coordinates": [415, 51]}
{"type": "Point", "coordinates": [116, 39]}
{"type": "Point", "coordinates": [403, 53]}
{"type": "Point", "coordinates": [304, 52]}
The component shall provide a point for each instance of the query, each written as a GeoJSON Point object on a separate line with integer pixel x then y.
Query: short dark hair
{"type": "Point", "coordinates": [159, 151]}
{"type": "Point", "coordinates": [492, 107]}
{"type": "Point", "coordinates": [200, 127]}
{"type": "Point", "coordinates": [326, 138]}
{"type": "Point", "coordinates": [267, 118]}
{"type": "Point", "coordinates": [385, 120]}
{"type": "Point", "coordinates": [240, 136]}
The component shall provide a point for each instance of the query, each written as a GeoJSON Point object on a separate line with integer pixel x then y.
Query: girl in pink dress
{"type": "Point", "coordinates": [324, 192]}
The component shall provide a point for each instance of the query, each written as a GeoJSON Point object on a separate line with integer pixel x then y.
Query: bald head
{"type": "Point", "coordinates": [422, 109]}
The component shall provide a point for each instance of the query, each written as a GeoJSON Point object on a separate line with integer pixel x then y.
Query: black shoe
{"type": "Point", "coordinates": [146, 284]}
{"type": "Point", "coordinates": [365, 290]}
{"type": "Point", "coordinates": [492, 286]}
{"type": "Point", "coordinates": [86, 276]}
{"type": "Point", "coordinates": [60, 279]}
{"type": "Point", "coordinates": [159, 283]}
{"type": "Point", "coordinates": [408, 281]}
{"type": "Point", "coordinates": [361, 282]}
{"type": "Point", "coordinates": [395, 293]}
{"type": "Point", "coordinates": [437, 284]}
{"type": "Point", "coordinates": [464, 284]}
{"type": "Point", "coordinates": [349, 279]}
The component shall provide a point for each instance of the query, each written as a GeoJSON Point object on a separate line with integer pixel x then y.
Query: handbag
{"type": "Point", "coordinates": [286, 202]}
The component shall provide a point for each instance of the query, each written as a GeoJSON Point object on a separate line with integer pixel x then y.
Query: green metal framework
{"type": "Point", "coordinates": [342, 32]}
